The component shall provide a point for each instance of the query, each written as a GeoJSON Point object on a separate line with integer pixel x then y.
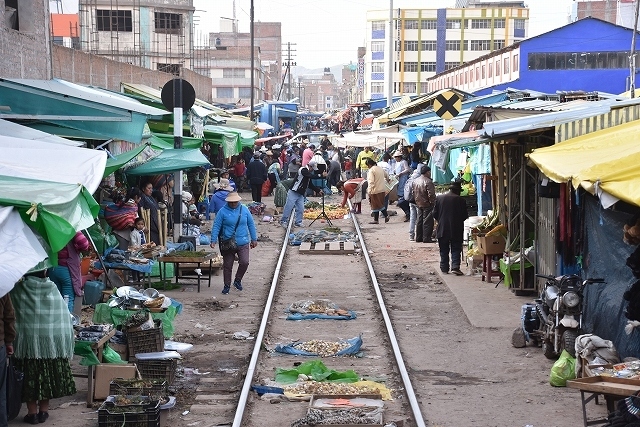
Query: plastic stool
{"type": "Point", "coordinates": [487, 270]}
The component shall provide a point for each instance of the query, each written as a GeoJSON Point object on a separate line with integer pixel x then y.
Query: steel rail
{"type": "Point", "coordinates": [415, 408]}
{"type": "Point", "coordinates": [246, 387]}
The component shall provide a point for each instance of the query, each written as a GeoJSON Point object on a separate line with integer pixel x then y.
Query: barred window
{"type": "Point", "coordinates": [428, 24]}
{"type": "Point", "coordinates": [377, 25]}
{"type": "Point", "coordinates": [168, 23]}
{"type": "Point", "coordinates": [377, 67]}
{"type": "Point", "coordinates": [428, 45]}
{"type": "Point", "coordinates": [114, 20]}
{"type": "Point", "coordinates": [411, 24]}
{"type": "Point", "coordinates": [481, 23]}
{"type": "Point", "coordinates": [499, 23]}
{"type": "Point", "coordinates": [377, 46]}
{"type": "Point", "coordinates": [410, 67]}
{"type": "Point", "coordinates": [428, 67]}
{"type": "Point", "coordinates": [410, 45]}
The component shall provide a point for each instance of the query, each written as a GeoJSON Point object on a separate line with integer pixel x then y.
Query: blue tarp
{"type": "Point", "coordinates": [300, 316]}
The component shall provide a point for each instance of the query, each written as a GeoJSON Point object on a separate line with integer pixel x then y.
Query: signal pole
{"type": "Point", "coordinates": [289, 63]}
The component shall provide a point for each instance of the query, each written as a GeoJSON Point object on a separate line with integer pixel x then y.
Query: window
{"type": "Point", "coordinates": [466, 77]}
{"type": "Point", "coordinates": [377, 67]}
{"type": "Point", "coordinates": [58, 40]}
{"type": "Point", "coordinates": [168, 23]}
{"type": "Point", "coordinates": [410, 67]}
{"type": "Point", "coordinates": [428, 24]}
{"type": "Point", "coordinates": [244, 92]}
{"type": "Point", "coordinates": [480, 45]}
{"type": "Point", "coordinates": [515, 62]}
{"type": "Point", "coordinates": [450, 65]}
{"type": "Point", "coordinates": [411, 24]}
{"type": "Point", "coordinates": [481, 23]}
{"type": "Point", "coordinates": [506, 66]}
{"type": "Point", "coordinates": [427, 45]}
{"type": "Point", "coordinates": [411, 45]}
{"type": "Point", "coordinates": [518, 24]}
{"type": "Point", "coordinates": [428, 67]}
{"type": "Point", "coordinates": [377, 46]}
{"type": "Point", "coordinates": [483, 72]}
{"type": "Point", "coordinates": [408, 87]}
{"type": "Point", "coordinates": [424, 87]}
{"type": "Point", "coordinates": [377, 87]}
{"type": "Point", "coordinates": [452, 45]}
{"type": "Point", "coordinates": [229, 73]}
{"type": "Point", "coordinates": [114, 20]}
{"type": "Point", "coordinates": [574, 60]}
{"type": "Point", "coordinates": [377, 25]}
{"type": "Point", "coordinates": [169, 68]}
{"type": "Point", "coordinates": [497, 68]}
{"type": "Point", "coordinates": [477, 73]}
{"type": "Point", "coordinates": [490, 71]}
{"type": "Point", "coordinates": [499, 23]}
{"type": "Point", "coordinates": [454, 24]}
{"type": "Point", "coordinates": [498, 44]}
{"type": "Point", "coordinates": [224, 92]}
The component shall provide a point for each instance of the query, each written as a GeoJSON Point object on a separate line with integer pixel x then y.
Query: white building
{"type": "Point", "coordinates": [429, 41]}
{"type": "Point", "coordinates": [155, 34]}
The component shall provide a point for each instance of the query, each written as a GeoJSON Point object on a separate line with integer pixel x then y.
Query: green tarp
{"type": "Point", "coordinates": [105, 314]}
{"type": "Point", "coordinates": [231, 139]}
{"type": "Point", "coordinates": [170, 161]}
{"type": "Point", "coordinates": [116, 162]}
{"type": "Point", "coordinates": [163, 141]}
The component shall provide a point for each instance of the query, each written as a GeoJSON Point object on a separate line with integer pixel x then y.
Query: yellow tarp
{"type": "Point", "coordinates": [608, 158]}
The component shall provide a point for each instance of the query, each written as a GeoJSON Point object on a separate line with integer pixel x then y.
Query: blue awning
{"type": "Point", "coordinates": [85, 112]}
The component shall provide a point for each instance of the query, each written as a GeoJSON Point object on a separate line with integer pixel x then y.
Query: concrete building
{"type": "Point", "coordinates": [234, 77]}
{"type": "Point", "coordinates": [25, 45]}
{"type": "Point", "coordinates": [429, 41]}
{"type": "Point", "coordinates": [65, 30]}
{"type": "Point", "coordinates": [320, 92]}
{"type": "Point", "coordinates": [154, 34]}
{"type": "Point", "coordinates": [593, 56]}
{"type": "Point", "coordinates": [619, 12]}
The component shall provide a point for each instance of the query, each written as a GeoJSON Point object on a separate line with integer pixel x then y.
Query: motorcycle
{"type": "Point", "coordinates": [554, 320]}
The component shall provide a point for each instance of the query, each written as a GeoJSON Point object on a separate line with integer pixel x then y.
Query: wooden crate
{"type": "Point", "coordinates": [327, 248]}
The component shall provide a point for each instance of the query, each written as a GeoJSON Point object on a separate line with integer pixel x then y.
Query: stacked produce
{"type": "Point", "coordinates": [312, 211]}
{"type": "Point", "coordinates": [489, 222]}
{"type": "Point", "coordinates": [322, 348]}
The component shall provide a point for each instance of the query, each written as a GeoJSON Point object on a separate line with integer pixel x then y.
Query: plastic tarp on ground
{"type": "Point", "coordinates": [49, 185]}
{"type": "Point", "coordinates": [318, 371]}
{"type": "Point", "coordinates": [605, 255]}
{"type": "Point", "coordinates": [170, 161]}
{"type": "Point", "coordinates": [604, 163]}
{"type": "Point", "coordinates": [354, 347]}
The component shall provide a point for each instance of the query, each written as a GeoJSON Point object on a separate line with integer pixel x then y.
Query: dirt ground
{"type": "Point", "coordinates": [454, 333]}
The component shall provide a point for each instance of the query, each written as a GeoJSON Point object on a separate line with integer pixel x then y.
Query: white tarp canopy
{"type": "Point", "coordinates": [381, 138]}
{"type": "Point", "coordinates": [15, 130]}
{"type": "Point", "coordinates": [44, 187]}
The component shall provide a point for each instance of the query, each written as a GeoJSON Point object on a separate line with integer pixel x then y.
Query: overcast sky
{"type": "Point", "coordinates": [328, 32]}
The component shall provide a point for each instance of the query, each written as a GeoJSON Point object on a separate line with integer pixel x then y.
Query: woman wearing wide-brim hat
{"type": "Point", "coordinates": [219, 197]}
{"type": "Point", "coordinates": [234, 220]}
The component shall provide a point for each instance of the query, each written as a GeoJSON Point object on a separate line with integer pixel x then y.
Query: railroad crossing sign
{"type": "Point", "coordinates": [447, 105]}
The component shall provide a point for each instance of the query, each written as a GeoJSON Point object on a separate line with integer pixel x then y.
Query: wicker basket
{"type": "Point", "coordinates": [158, 369]}
{"type": "Point", "coordinates": [147, 341]}
{"type": "Point", "coordinates": [144, 414]}
{"type": "Point", "coordinates": [138, 387]}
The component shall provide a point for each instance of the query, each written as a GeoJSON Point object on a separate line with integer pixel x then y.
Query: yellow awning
{"type": "Point", "coordinates": [605, 163]}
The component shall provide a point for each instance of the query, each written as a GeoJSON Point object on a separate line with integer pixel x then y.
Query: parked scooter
{"type": "Point", "coordinates": [554, 320]}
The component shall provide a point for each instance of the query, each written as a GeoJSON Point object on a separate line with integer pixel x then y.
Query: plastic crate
{"type": "Point", "coordinates": [143, 414]}
{"type": "Point", "coordinates": [139, 387]}
{"type": "Point", "coordinates": [158, 369]}
{"type": "Point", "coordinates": [147, 341]}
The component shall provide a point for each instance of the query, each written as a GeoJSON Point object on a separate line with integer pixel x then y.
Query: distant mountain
{"type": "Point", "coordinates": [336, 70]}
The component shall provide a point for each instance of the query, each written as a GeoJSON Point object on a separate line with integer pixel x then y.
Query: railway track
{"type": "Point", "coordinates": [349, 281]}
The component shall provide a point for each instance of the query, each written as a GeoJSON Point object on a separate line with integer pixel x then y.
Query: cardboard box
{"type": "Point", "coordinates": [121, 349]}
{"type": "Point", "coordinates": [106, 372]}
{"type": "Point", "coordinates": [492, 245]}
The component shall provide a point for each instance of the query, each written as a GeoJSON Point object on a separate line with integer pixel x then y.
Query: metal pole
{"type": "Point", "coordinates": [177, 144]}
{"type": "Point", "coordinates": [289, 68]}
{"type": "Point", "coordinates": [632, 57]}
{"type": "Point", "coordinates": [391, 52]}
{"type": "Point", "coordinates": [253, 71]}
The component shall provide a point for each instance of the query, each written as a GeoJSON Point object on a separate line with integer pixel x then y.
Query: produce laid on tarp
{"type": "Point", "coordinates": [314, 370]}
{"type": "Point", "coordinates": [318, 309]}
{"type": "Point", "coordinates": [313, 209]}
{"type": "Point", "coordinates": [328, 234]}
{"type": "Point", "coordinates": [322, 348]}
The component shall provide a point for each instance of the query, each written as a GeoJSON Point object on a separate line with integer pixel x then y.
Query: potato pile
{"type": "Point", "coordinates": [632, 233]}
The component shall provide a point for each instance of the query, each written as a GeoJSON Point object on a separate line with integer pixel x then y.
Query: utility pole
{"type": "Point", "coordinates": [253, 68]}
{"type": "Point", "coordinates": [289, 63]}
{"type": "Point", "coordinates": [391, 52]}
{"type": "Point", "coordinates": [632, 57]}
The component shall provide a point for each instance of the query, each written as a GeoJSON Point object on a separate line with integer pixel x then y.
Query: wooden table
{"type": "Point", "coordinates": [177, 260]}
{"type": "Point", "coordinates": [612, 388]}
{"type": "Point", "coordinates": [97, 347]}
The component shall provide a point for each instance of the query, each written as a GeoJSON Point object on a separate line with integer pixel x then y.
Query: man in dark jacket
{"type": "Point", "coordinates": [424, 193]}
{"type": "Point", "coordinates": [295, 196]}
{"type": "Point", "coordinates": [256, 176]}
{"type": "Point", "coordinates": [450, 211]}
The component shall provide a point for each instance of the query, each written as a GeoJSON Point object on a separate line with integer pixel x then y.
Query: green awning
{"type": "Point", "coordinates": [163, 141]}
{"type": "Point", "coordinates": [170, 161]}
{"type": "Point", "coordinates": [231, 139]}
{"type": "Point", "coordinates": [116, 162]}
